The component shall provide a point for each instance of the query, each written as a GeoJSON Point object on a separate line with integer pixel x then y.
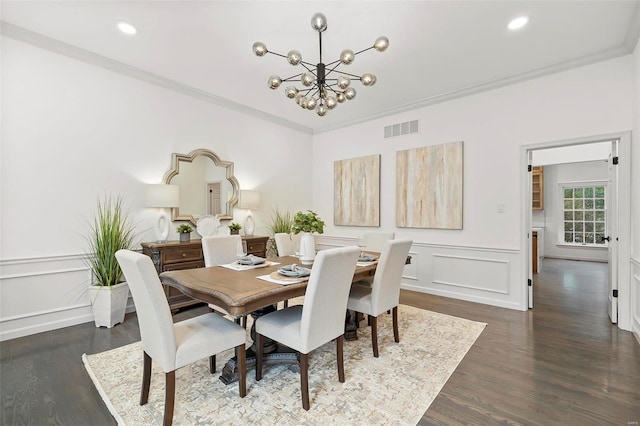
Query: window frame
{"type": "Point", "coordinates": [561, 231]}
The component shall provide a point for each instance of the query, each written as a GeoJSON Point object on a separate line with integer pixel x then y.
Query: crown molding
{"type": "Point", "coordinates": [38, 40]}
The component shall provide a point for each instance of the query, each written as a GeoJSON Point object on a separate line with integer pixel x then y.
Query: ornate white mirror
{"type": "Point", "coordinates": [207, 185]}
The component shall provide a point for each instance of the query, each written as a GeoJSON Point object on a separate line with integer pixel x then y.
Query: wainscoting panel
{"type": "Point", "coordinates": [477, 274]}
{"type": "Point", "coordinates": [62, 280]}
{"type": "Point", "coordinates": [452, 271]}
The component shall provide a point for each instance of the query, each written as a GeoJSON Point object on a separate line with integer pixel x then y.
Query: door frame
{"type": "Point", "coordinates": [623, 204]}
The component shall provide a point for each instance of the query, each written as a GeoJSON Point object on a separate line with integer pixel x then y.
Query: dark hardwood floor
{"type": "Point", "coordinates": [561, 363]}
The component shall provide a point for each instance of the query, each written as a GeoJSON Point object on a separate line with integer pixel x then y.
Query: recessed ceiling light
{"type": "Point", "coordinates": [127, 28]}
{"type": "Point", "coordinates": [518, 23]}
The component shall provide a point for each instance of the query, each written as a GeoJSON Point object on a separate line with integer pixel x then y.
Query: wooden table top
{"type": "Point", "coordinates": [240, 292]}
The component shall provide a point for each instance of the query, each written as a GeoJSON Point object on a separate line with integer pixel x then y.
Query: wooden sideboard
{"type": "Point", "coordinates": [175, 255]}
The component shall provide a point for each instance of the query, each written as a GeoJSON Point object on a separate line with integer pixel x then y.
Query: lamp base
{"type": "Point", "coordinates": [162, 226]}
{"type": "Point", "coordinates": [249, 225]}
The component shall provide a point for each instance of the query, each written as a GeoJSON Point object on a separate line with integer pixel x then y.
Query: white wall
{"type": "Point", "coordinates": [553, 225]}
{"type": "Point", "coordinates": [591, 100]}
{"type": "Point", "coordinates": [72, 132]}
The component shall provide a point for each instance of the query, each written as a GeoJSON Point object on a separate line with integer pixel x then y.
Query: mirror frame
{"type": "Point", "coordinates": [188, 158]}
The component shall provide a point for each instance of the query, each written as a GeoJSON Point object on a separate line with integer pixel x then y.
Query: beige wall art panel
{"type": "Point", "coordinates": [429, 187]}
{"type": "Point", "coordinates": [356, 191]}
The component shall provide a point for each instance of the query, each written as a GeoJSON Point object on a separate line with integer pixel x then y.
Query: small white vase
{"type": "Point", "coordinates": [307, 248]}
{"type": "Point", "coordinates": [109, 304]}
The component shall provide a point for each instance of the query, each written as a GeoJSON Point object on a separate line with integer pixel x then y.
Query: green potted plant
{"type": "Point", "coordinates": [281, 222]}
{"type": "Point", "coordinates": [185, 232]}
{"type": "Point", "coordinates": [235, 228]}
{"type": "Point", "coordinates": [307, 223]}
{"type": "Point", "coordinates": [110, 231]}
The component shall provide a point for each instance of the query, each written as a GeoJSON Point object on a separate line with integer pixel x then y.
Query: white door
{"type": "Point", "coordinates": [528, 222]}
{"type": "Point", "coordinates": [214, 204]}
{"type": "Point", "coordinates": [612, 231]}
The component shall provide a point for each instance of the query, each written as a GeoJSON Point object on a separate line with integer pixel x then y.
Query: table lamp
{"type": "Point", "coordinates": [249, 200]}
{"type": "Point", "coordinates": [162, 196]}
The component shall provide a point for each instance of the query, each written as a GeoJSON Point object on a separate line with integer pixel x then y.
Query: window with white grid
{"type": "Point", "coordinates": [584, 213]}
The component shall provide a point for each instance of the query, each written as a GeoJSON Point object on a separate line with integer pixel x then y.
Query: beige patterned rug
{"type": "Point", "coordinates": [396, 388]}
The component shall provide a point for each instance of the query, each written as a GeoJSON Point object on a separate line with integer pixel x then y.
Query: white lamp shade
{"type": "Point", "coordinates": [249, 200]}
{"type": "Point", "coordinates": [160, 195]}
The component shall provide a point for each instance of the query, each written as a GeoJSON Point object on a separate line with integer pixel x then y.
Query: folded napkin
{"type": "Point", "coordinates": [366, 257]}
{"type": "Point", "coordinates": [294, 271]}
{"type": "Point", "coordinates": [251, 260]}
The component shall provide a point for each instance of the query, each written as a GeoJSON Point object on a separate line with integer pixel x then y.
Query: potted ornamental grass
{"type": "Point", "coordinates": [110, 231]}
{"type": "Point", "coordinates": [307, 223]}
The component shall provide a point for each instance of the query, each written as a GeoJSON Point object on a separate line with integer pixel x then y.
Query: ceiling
{"type": "Point", "coordinates": [438, 50]}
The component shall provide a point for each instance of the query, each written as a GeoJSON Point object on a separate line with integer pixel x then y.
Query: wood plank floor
{"type": "Point", "coordinates": [561, 363]}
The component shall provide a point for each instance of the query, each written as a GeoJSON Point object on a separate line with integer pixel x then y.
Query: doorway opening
{"type": "Point", "coordinates": [570, 219]}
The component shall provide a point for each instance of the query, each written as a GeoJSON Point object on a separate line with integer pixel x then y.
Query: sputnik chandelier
{"type": "Point", "coordinates": [320, 92]}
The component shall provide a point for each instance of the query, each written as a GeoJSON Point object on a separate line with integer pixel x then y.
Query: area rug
{"type": "Point", "coordinates": [396, 388]}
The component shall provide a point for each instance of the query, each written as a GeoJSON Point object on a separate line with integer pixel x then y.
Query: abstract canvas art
{"type": "Point", "coordinates": [356, 191]}
{"type": "Point", "coordinates": [429, 187]}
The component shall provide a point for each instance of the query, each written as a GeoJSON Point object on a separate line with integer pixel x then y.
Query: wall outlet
{"type": "Point", "coordinates": [500, 207]}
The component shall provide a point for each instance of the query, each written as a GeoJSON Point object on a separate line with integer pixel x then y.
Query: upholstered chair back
{"type": "Point", "coordinates": [152, 308]}
{"type": "Point", "coordinates": [287, 244]}
{"type": "Point", "coordinates": [385, 289]}
{"type": "Point", "coordinates": [220, 250]}
{"type": "Point", "coordinates": [325, 301]}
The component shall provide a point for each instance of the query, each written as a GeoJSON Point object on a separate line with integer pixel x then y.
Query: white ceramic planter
{"type": "Point", "coordinates": [307, 248]}
{"type": "Point", "coordinates": [109, 304]}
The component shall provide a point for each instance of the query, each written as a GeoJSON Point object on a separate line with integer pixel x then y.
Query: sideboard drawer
{"type": "Point", "coordinates": [183, 265]}
{"type": "Point", "coordinates": [181, 255]}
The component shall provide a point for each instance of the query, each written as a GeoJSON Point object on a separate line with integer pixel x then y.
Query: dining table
{"type": "Point", "coordinates": [243, 290]}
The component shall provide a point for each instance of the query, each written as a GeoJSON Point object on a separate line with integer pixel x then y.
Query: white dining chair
{"type": "Point", "coordinates": [287, 244]}
{"type": "Point", "coordinates": [384, 293]}
{"type": "Point", "coordinates": [374, 241]}
{"type": "Point", "coordinates": [221, 249]}
{"type": "Point", "coordinates": [319, 319]}
{"type": "Point", "coordinates": [172, 346]}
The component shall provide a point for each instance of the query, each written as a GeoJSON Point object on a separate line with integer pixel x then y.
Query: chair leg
{"type": "Point", "coordinates": [304, 380]}
{"type": "Point", "coordinates": [396, 333]}
{"type": "Point", "coordinates": [374, 335]}
{"type": "Point", "coordinates": [340, 357]}
{"type": "Point", "coordinates": [169, 397]}
{"type": "Point", "coordinates": [146, 379]}
{"type": "Point", "coordinates": [212, 364]}
{"type": "Point", "coordinates": [241, 357]}
{"type": "Point", "coordinates": [259, 350]}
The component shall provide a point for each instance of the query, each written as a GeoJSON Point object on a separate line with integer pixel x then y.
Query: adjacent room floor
{"type": "Point", "coordinates": [560, 363]}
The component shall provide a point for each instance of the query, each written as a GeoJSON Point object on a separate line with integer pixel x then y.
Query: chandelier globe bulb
{"type": "Point", "coordinates": [259, 48]}
{"type": "Point", "coordinates": [340, 97]}
{"type": "Point", "coordinates": [350, 93]}
{"type": "Point", "coordinates": [330, 102]}
{"type": "Point", "coordinates": [294, 57]}
{"type": "Point", "coordinates": [368, 79]}
{"type": "Point", "coordinates": [381, 44]}
{"type": "Point", "coordinates": [307, 79]}
{"type": "Point", "coordinates": [311, 103]}
{"type": "Point", "coordinates": [321, 110]}
{"type": "Point", "coordinates": [291, 92]}
{"type": "Point", "coordinates": [343, 82]}
{"type": "Point", "coordinates": [274, 82]}
{"type": "Point", "coordinates": [319, 22]}
{"type": "Point", "coordinates": [347, 56]}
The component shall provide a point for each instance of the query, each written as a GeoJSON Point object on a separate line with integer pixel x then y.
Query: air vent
{"type": "Point", "coordinates": [401, 129]}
